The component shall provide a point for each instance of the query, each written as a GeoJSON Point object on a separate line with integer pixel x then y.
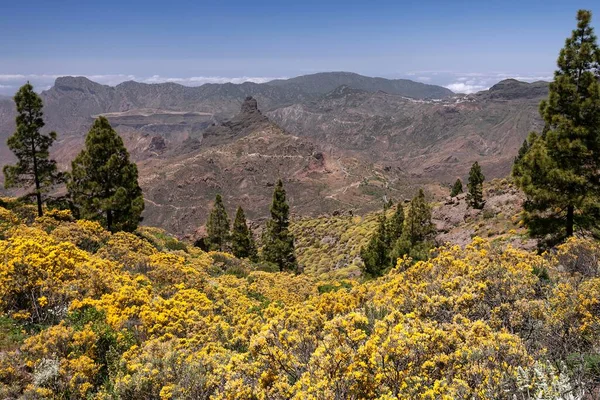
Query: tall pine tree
{"type": "Point", "coordinates": [396, 224]}
{"type": "Point", "coordinates": [517, 167]}
{"type": "Point", "coordinates": [34, 168]}
{"type": "Point", "coordinates": [418, 226]}
{"type": "Point", "coordinates": [278, 242]}
{"type": "Point", "coordinates": [217, 227]}
{"type": "Point", "coordinates": [375, 255]}
{"type": "Point", "coordinates": [560, 170]}
{"type": "Point", "coordinates": [475, 185]}
{"type": "Point", "coordinates": [242, 241]}
{"type": "Point", "coordinates": [104, 183]}
{"type": "Point", "coordinates": [417, 236]}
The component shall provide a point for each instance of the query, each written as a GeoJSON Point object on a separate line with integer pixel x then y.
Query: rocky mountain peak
{"type": "Point", "coordinates": [76, 83]}
{"type": "Point", "coordinates": [250, 105]}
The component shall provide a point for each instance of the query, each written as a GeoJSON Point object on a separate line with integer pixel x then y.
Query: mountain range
{"type": "Point", "coordinates": [340, 141]}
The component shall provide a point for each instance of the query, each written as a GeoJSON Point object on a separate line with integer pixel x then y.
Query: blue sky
{"type": "Point", "coordinates": [464, 45]}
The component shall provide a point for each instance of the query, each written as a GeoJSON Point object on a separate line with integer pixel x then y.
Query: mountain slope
{"type": "Point", "coordinates": [242, 159]}
{"type": "Point", "coordinates": [344, 149]}
{"type": "Point", "coordinates": [324, 82]}
{"type": "Point", "coordinates": [431, 140]}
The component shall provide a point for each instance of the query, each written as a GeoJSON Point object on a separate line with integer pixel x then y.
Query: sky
{"type": "Point", "coordinates": [463, 45]}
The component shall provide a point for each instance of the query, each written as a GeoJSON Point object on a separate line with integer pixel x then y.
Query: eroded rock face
{"type": "Point", "coordinates": [157, 144]}
{"type": "Point", "coordinates": [249, 119]}
{"type": "Point", "coordinates": [250, 105]}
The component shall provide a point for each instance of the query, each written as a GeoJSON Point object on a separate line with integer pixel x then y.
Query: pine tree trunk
{"type": "Point", "coordinates": [109, 220]}
{"type": "Point", "coordinates": [36, 178]}
{"type": "Point", "coordinates": [570, 213]}
{"type": "Point", "coordinates": [38, 195]}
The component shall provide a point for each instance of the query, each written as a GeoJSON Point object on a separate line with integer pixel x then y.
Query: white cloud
{"type": "Point", "coordinates": [528, 78]}
{"type": "Point", "coordinates": [201, 80]}
{"type": "Point", "coordinates": [462, 87]}
{"type": "Point", "coordinates": [110, 79]}
{"type": "Point", "coordinates": [20, 77]}
{"type": "Point", "coordinates": [10, 77]}
{"type": "Point", "coordinates": [471, 82]}
{"type": "Point", "coordinates": [424, 78]}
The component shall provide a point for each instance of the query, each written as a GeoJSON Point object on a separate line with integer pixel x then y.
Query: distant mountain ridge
{"type": "Point", "coordinates": [72, 100]}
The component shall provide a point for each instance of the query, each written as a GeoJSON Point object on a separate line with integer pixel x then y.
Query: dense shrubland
{"type": "Point", "coordinates": [105, 309]}
{"type": "Point", "coordinates": [90, 314]}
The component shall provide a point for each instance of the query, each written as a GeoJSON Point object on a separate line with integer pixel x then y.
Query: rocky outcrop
{"type": "Point", "coordinates": [157, 144]}
{"type": "Point", "coordinates": [457, 223]}
{"type": "Point", "coordinates": [248, 120]}
{"type": "Point", "coordinates": [250, 106]}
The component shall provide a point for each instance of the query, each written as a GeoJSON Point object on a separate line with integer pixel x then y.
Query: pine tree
{"type": "Point", "coordinates": [217, 226]}
{"type": "Point", "coordinates": [517, 165]}
{"type": "Point", "coordinates": [396, 224]}
{"type": "Point", "coordinates": [418, 226]}
{"type": "Point", "coordinates": [522, 151]}
{"type": "Point", "coordinates": [278, 242]}
{"type": "Point", "coordinates": [457, 188]}
{"type": "Point", "coordinates": [375, 255]}
{"type": "Point", "coordinates": [417, 236]}
{"type": "Point", "coordinates": [242, 241]}
{"type": "Point", "coordinates": [104, 183]}
{"type": "Point", "coordinates": [418, 233]}
{"type": "Point", "coordinates": [475, 185]}
{"type": "Point", "coordinates": [560, 171]}
{"type": "Point", "coordinates": [34, 168]}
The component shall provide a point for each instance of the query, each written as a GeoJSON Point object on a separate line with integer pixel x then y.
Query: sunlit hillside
{"type": "Point", "coordinates": [89, 314]}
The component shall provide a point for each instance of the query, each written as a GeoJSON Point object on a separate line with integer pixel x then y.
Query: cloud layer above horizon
{"type": "Point", "coordinates": [472, 82]}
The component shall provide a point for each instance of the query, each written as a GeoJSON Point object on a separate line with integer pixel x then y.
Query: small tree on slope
{"type": "Point", "coordinates": [242, 242]}
{"type": "Point", "coordinates": [457, 188]}
{"type": "Point", "coordinates": [375, 255]}
{"type": "Point", "coordinates": [217, 226]}
{"type": "Point", "coordinates": [277, 240]}
{"type": "Point", "coordinates": [475, 185]}
{"type": "Point", "coordinates": [34, 166]}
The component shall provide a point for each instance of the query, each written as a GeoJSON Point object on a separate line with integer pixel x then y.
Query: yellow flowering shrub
{"type": "Point", "coordinates": [8, 219]}
{"type": "Point", "coordinates": [41, 276]}
{"type": "Point", "coordinates": [129, 250]}
{"type": "Point", "coordinates": [90, 314]}
{"type": "Point", "coordinates": [87, 235]}
{"type": "Point", "coordinates": [63, 360]}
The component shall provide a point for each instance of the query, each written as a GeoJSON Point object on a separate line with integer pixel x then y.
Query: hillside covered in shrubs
{"type": "Point", "coordinates": [86, 313]}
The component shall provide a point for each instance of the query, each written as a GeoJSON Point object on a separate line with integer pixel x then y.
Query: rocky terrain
{"type": "Point", "coordinates": [431, 140]}
{"type": "Point", "coordinates": [329, 246]}
{"type": "Point", "coordinates": [242, 159]}
{"type": "Point", "coordinates": [340, 141]}
{"type": "Point", "coordinates": [499, 219]}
